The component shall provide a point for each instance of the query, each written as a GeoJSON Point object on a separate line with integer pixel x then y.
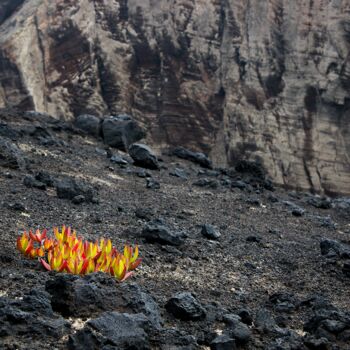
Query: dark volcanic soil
{"type": "Point", "coordinates": [281, 255]}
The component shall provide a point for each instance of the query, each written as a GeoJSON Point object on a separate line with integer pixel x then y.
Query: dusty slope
{"type": "Point", "coordinates": [232, 272]}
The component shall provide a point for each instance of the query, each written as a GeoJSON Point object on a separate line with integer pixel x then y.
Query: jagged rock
{"type": "Point", "coordinates": [32, 316]}
{"type": "Point", "coordinates": [30, 181]}
{"type": "Point", "coordinates": [118, 160]}
{"type": "Point", "coordinates": [17, 206]}
{"type": "Point", "coordinates": [330, 247]}
{"type": "Point", "coordinates": [144, 213]}
{"type": "Point", "coordinates": [90, 124]}
{"type": "Point", "coordinates": [195, 157]}
{"type": "Point", "coordinates": [78, 199]}
{"type": "Point", "coordinates": [45, 178]}
{"type": "Point", "coordinates": [113, 330]}
{"type": "Point", "coordinates": [245, 316]}
{"type": "Point", "coordinates": [239, 184]}
{"type": "Point", "coordinates": [143, 156]}
{"type": "Point", "coordinates": [172, 338]}
{"type": "Point", "coordinates": [68, 188]}
{"type": "Point", "coordinates": [152, 184]}
{"type": "Point", "coordinates": [320, 202]}
{"type": "Point", "coordinates": [178, 172]}
{"type": "Point", "coordinates": [185, 307]}
{"type": "Point", "coordinates": [206, 183]}
{"type": "Point", "coordinates": [223, 342]}
{"type": "Point", "coordinates": [157, 232]}
{"type": "Point", "coordinates": [83, 297]}
{"type": "Point", "coordinates": [210, 232]}
{"type": "Point", "coordinates": [328, 322]}
{"type": "Point", "coordinates": [266, 324]}
{"type": "Point", "coordinates": [121, 131]}
{"type": "Point", "coordinates": [10, 155]}
{"type": "Point", "coordinates": [237, 329]}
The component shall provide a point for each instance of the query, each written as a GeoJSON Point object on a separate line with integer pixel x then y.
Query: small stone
{"type": "Point", "coordinates": [181, 173]}
{"type": "Point", "coordinates": [78, 199]}
{"type": "Point", "coordinates": [161, 234]}
{"type": "Point", "coordinates": [185, 307]}
{"type": "Point", "coordinates": [17, 206]}
{"type": "Point", "coordinates": [223, 342]}
{"type": "Point", "coordinates": [298, 211]}
{"type": "Point", "coordinates": [29, 181]}
{"type": "Point", "coordinates": [152, 184]}
{"type": "Point", "coordinates": [245, 316]}
{"type": "Point", "coordinates": [118, 160]}
{"type": "Point", "coordinates": [206, 183]}
{"type": "Point", "coordinates": [210, 232]}
{"type": "Point", "coordinates": [254, 239]}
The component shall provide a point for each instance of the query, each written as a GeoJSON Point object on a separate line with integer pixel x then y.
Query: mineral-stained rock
{"type": "Point", "coordinates": [254, 80]}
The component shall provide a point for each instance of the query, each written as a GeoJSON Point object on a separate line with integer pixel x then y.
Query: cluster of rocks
{"type": "Point", "coordinates": [126, 316]}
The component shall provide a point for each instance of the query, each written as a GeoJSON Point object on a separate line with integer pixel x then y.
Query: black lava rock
{"type": "Point", "coordinates": [113, 330]}
{"type": "Point", "coordinates": [78, 199]}
{"type": "Point", "coordinates": [223, 342]}
{"type": "Point", "coordinates": [195, 157]}
{"type": "Point", "coordinates": [160, 233]}
{"type": "Point", "coordinates": [330, 247]}
{"type": "Point", "coordinates": [90, 124]}
{"type": "Point", "coordinates": [121, 131]}
{"type": "Point", "coordinates": [185, 307]}
{"type": "Point", "coordinates": [143, 156]}
{"type": "Point", "coordinates": [31, 182]}
{"type": "Point", "coordinates": [68, 188]}
{"type": "Point", "coordinates": [118, 160]}
{"type": "Point", "coordinates": [210, 232]}
{"type": "Point", "coordinates": [10, 155]}
{"type": "Point", "coordinates": [181, 173]}
{"type": "Point", "coordinates": [45, 178]}
{"type": "Point", "coordinates": [152, 184]}
{"type": "Point", "coordinates": [206, 183]}
{"type": "Point", "coordinates": [237, 329]}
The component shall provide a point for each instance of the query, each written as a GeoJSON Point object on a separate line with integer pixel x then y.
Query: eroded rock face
{"type": "Point", "coordinates": [259, 80]}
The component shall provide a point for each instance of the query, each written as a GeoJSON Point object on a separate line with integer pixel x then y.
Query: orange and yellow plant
{"type": "Point", "coordinates": [66, 252]}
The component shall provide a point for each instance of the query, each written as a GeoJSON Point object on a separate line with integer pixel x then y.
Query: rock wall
{"type": "Point", "coordinates": [263, 80]}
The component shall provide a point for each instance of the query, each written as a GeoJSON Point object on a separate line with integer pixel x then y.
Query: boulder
{"type": "Point", "coordinates": [90, 124]}
{"type": "Point", "coordinates": [143, 156]}
{"type": "Point", "coordinates": [121, 131]}
{"type": "Point", "coordinates": [195, 157]}
{"type": "Point", "coordinates": [10, 155]}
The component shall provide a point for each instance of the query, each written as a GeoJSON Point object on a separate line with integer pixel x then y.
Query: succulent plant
{"type": "Point", "coordinates": [66, 252]}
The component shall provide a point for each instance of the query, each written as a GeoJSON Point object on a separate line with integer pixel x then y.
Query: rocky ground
{"type": "Point", "coordinates": [228, 261]}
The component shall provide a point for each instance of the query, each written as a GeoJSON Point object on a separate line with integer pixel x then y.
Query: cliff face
{"type": "Point", "coordinates": [264, 80]}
